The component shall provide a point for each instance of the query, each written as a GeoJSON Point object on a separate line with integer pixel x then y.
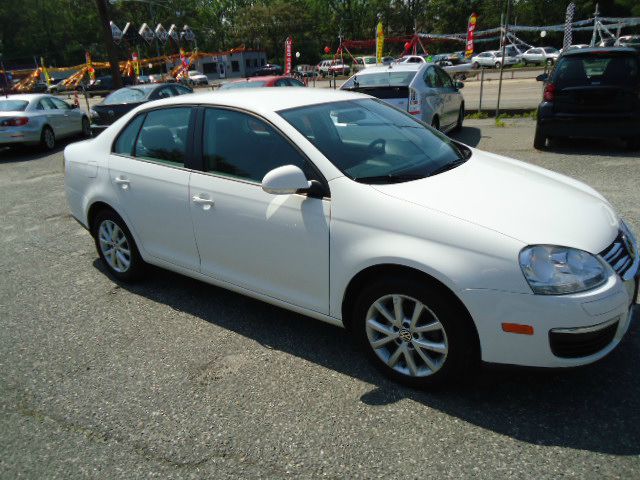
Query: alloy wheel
{"type": "Point", "coordinates": [406, 335]}
{"type": "Point", "coordinates": [114, 246]}
{"type": "Point", "coordinates": [49, 139]}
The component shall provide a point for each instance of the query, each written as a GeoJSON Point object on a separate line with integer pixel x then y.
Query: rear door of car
{"type": "Point", "coordinates": [433, 98]}
{"type": "Point", "coordinates": [605, 83]}
{"type": "Point", "coordinates": [149, 169]}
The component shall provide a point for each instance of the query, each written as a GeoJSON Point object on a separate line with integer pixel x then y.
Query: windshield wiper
{"type": "Point", "coordinates": [389, 178]}
{"type": "Point", "coordinates": [447, 167]}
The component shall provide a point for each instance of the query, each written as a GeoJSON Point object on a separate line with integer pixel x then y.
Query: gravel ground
{"type": "Point", "coordinates": [176, 378]}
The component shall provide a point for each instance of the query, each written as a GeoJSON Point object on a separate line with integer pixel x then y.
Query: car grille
{"type": "Point", "coordinates": [619, 254]}
{"type": "Point", "coordinates": [582, 342]}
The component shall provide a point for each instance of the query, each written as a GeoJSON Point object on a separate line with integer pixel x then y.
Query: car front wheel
{"type": "Point", "coordinates": [116, 247]}
{"type": "Point", "coordinates": [414, 333]}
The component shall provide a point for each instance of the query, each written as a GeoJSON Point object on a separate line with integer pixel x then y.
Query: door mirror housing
{"type": "Point", "coordinates": [459, 85]}
{"type": "Point", "coordinates": [285, 181]}
{"type": "Point", "coordinates": [542, 77]}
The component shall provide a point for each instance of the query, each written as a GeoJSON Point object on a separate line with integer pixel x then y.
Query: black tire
{"type": "Point", "coordinates": [136, 267]}
{"type": "Point", "coordinates": [458, 126]}
{"type": "Point", "coordinates": [435, 122]}
{"type": "Point", "coordinates": [549, 61]}
{"type": "Point", "coordinates": [539, 139]}
{"type": "Point", "coordinates": [86, 127]}
{"type": "Point", "coordinates": [475, 65]}
{"type": "Point", "coordinates": [497, 64]}
{"type": "Point", "coordinates": [47, 139]}
{"type": "Point", "coordinates": [463, 355]}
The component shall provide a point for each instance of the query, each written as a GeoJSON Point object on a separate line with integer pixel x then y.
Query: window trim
{"type": "Point", "coordinates": [199, 154]}
{"type": "Point", "coordinates": [189, 163]}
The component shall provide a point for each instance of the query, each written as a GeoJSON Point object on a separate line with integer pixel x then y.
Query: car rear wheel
{"type": "Point", "coordinates": [47, 138]}
{"type": "Point", "coordinates": [497, 65]}
{"type": "Point", "coordinates": [475, 65]}
{"type": "Point", "coordinates": [435, 123]}
{"type": "Point", "coordinates": [539, 139]}
{"type": "Point", "coordinates": [414, 333]}
{"type": "Point", "coordinates": [116, 247]}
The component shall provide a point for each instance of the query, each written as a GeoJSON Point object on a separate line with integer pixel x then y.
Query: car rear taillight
{"type": "Point", "coordinates": [414, 106]}
{"type": "Point", "coordinates": [14, 122]}
{"type": "Point", "coordinates": [549, 92]}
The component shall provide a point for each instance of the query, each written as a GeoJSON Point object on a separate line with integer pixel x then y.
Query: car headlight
{"type": "Point", "coordinates": [552, 270]}
{"type": "Point", "coordinates": [93, 113]}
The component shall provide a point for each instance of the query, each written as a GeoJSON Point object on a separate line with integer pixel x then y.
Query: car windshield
{"type": "Point", "coordinates": [125, 95]}
{"type": "Point", "coordinates": [597, 69]}
{"type": "Point", "coordinates": [229, 86]}
{"type": "Point", "coordinates": [369, 60]}
{"type": "Point", "coordinates": [381, 79]}
{"type": "Point", "coordinates": [371, 142]}
{"type": "Point", "coordinates": [13, 105]}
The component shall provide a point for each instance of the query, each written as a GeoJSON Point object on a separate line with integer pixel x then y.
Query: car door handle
{"type": "Point", "coordinates": [123, 182]}
{"type": "Point", "coordinates": [205, 202]}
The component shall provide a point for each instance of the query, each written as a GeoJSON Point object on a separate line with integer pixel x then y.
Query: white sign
{"type": "Point", "coordinates": [146, 33]}
{"type": "Point", "coordinates": [188, 34]}
{"type": "Point", "coordinates": [116, 33]}
{"type": "Point", "coordinates": [173, 34]}
{"type": "Point", "coordinates": [161, 34]}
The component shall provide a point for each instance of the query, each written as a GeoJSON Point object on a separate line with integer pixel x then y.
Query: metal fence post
{"type": "Point", "coordinates": [481, 86]}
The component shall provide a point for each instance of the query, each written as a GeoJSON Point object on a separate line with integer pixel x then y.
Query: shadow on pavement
{"type": "Point", "coordinates": [594, 408]}
{"type": "Point", "coordinates": [591, 146]}
{"type": "Point", "coordinates": [25, 153]}
{"type": "Point", "coordinates": [468, 135]}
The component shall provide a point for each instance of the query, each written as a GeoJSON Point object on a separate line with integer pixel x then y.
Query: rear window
{"type": "Point", "coordinates": [595, 70]}
{"type": "Point", "coordinates": [228, 86]}
{"type": "Point", "coordinates": [382, 79]}
{"type": "Point", "coordinates": [124, 95]}
{"type": "Point", "coordinates": [13, 105]}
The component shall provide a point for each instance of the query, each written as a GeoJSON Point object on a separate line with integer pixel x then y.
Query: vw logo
{"type": "Point", "coordinates": [405, 335]}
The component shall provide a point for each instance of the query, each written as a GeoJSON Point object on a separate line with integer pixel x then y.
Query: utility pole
{"type": "Point", "coordinates": [108, 43]}
{"type": "Point", "coordinates": [504, 48]}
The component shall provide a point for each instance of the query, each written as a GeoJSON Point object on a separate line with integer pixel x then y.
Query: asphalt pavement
{"type": "Point", "coordinates": [175, 378]}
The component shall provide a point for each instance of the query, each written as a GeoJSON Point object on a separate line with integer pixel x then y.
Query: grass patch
{"type": "Point", "coordinates": [477, 115]}
{"type": "Point", "coordinates": [500, 123]}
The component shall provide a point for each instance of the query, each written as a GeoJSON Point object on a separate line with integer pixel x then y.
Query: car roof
{"type": "Point", "coordinates": [263, 100]}
{"type": "Point", "coordinates": [28, 97]}
{"type": "Point", "coordinates": [599, 50]}
{"type": "Point", "coordinates": [262, 78]}
{"type": "Point", "coordinates": [397, 67]}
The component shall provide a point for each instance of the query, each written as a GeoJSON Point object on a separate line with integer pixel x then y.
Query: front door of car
{"type": "Point", "coordinates": [72, 120]}
{"type": "Point", "coordinates": [147, 170]}
{"type": "Point", "coordinates": [434, 98]}
{"type": "Point", "coordinates": [451, 102]}
{"type": "Point", "coordinates": [275, 245]}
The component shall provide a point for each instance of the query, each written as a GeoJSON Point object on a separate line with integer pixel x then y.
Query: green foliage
{"type": "Point", "coordinates": [61, 30]}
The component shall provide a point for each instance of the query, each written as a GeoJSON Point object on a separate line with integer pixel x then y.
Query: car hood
{"type": "Point", "coordinates": [522, 201]}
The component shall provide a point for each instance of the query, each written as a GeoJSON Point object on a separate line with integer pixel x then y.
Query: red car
{"type": "Point", "coordinates": [257, 82]}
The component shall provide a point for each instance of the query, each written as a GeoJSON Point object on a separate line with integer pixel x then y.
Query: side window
{"type": "Point", "coordinates": [127, 138]}
{"type": "Point", "coordinates": [165, 92]}
{"type": "Point", "coordinates": [163, 136]}
{"type": "Point", "coordinates": [46, 104]}
{"type": "Point", "coordinates": [431, 78]}
{"type": "Point", "coordinates": [60, 105]}
{"type": "Point", "coordinates": [180, 90]}
{"type": "Point", "coordinates": [445, 79]}
{"type": "Point", "coordinates": [281, 83]}
{"type": "Point", "coordinates": [239, 145]}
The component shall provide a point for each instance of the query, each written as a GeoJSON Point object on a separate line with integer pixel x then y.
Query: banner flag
{"type": "Point", "coordinates": [45, 71]}
{"type": "Point", "coordinates": [161, 34]}
{"type": "Point", "coordinates": [90, 69]}
{"type": "Point", "coordinates": [136, 63]}
{"type": "Point", "coordinates": [288, 47]}
{"type": "Point", "coordinates": [568, 27]}
{"type": "Point", "coordinates": [379, 42]}
{"type": "Point", "coordinates": [471, 28]}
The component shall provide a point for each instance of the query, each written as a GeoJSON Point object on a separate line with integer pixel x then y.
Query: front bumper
{"type": "Point", "coordinates": [600, 125]}
{"type": "Point", "coordinates": [594, 311]}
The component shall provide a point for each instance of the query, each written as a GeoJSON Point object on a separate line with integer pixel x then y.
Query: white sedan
{"type": "Point", "coordinates": [540, 55]}
{"type": "Point", "coordinates": [335, 205]}
{"type": "Point", "coordinates": [492, 59]}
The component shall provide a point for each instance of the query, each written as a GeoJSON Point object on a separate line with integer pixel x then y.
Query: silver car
{"type": "Point", "coordinates": [39, 119]}
{"type": "Point", "coordinates": [424, 90]}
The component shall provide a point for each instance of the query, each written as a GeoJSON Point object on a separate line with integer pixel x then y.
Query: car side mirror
{"type": "Point", "coordinates": [74, 105]}
{"type": "Point", "coordinates": [459, 85]}
{"type": "Point", "coordinates": [285, 181]}
{"type": "Point", "coordinates": [542, 77]}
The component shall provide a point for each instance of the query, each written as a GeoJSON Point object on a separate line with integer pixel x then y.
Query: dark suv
{"type": "Point", "coordinates": [592, 93]}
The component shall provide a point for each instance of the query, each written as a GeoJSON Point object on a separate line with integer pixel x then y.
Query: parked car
{"type": "Point", "coordinates": [161, 78]}
{"type": "Point", "coordinates": [258, 82]}
{"type": "Point", "coordinates": [144, 79]}
{"type": "Point", "coordinates": [571, 47]}
{"type": "Point", "coordinates": [337, 206]}
{"type": "Point", "coordinates": [197, 78]}
{"type": "Point", "coordinates": [492, 59]}
{"type": "Point", "coordinates": [339, 68]}
{"type": "Point", "coordinates": [104, 83]}
{"type": "Point", "coordinates": [323, 67]}
{"type": "Point", "coordinates": [306, 71]}
{"type": "Point", "coordinates": [413, 59]}
{"type": "Point", "coordinates": [117, 103]}
{"type": "Point", "coordinates": [37, 119]}
{"type": "Point", "coordinates": [592, 92]}
{"type": "Point", "coordinates": [365, 62]}
{"type": "Point", "coordinates": [425, 91]}
{"type": "Point", "coordinates": [632, 41]}
{"type": "Point", "coordinates": [268, 69]}
{"type": "Point", "coordinates": [540, 56]}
